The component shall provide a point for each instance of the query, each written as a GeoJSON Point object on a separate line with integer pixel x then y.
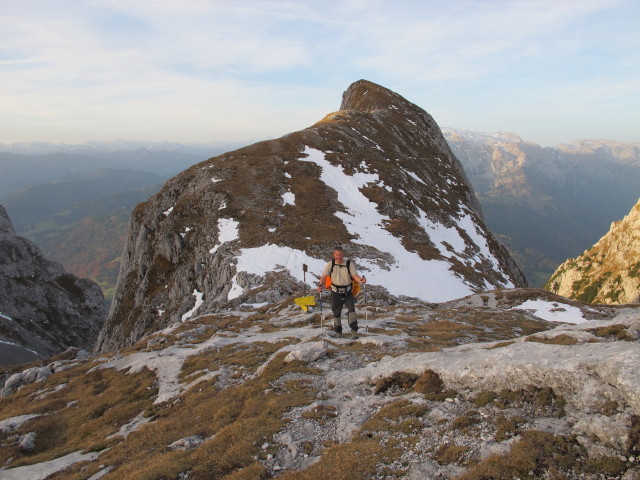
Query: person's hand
{"type": "Point", "coordinates": [364, 280]}
{"type": "Point", "coordinates": [319, 288]}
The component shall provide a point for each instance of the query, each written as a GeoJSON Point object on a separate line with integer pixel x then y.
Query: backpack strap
{"type": "Point", "coordinates": [341, 288]}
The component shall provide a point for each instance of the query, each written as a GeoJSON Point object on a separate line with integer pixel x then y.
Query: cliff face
{"type": "Point", "coordinates": [608, 272]}
{"type": "Point", "coordinates": [376, 176]}
{"type": "Point", "coordinates": [43, 309]}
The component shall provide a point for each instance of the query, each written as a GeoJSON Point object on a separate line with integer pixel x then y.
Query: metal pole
{"type": "Point", "coordinates": [304, 277]}
{"type": "Point", "coordinates": [366, 311]}
{"type": "Point", "coordinates": [321, 317]}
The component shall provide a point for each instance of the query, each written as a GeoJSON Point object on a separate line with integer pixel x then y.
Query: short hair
{"type": "Point", "coordinates": [338, 248]}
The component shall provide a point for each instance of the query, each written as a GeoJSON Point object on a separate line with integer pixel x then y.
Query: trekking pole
{"type": "Point", "coordinates": [366, 310]}
{"type": "Point", "coordinates": [321, 317]}
{"type": "Point", "coordinates": [304, 277]}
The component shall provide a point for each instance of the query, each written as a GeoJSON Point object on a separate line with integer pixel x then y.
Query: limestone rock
{"type": "Point", "coordinates": [608, 272]}
{"type": "Point", "coordinates": [43, 309]}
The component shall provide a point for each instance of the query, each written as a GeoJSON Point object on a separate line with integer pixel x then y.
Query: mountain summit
{"type": "Point", "coordinates": [377, 177]}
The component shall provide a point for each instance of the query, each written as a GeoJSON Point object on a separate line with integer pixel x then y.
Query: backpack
{"type": "Point", "coordinates": [355, 286]}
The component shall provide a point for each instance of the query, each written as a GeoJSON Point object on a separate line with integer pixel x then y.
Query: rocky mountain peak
{"type": "Point", "coordinates": [377, 177]}
{"type": "Point", "coordinates": [6, 226]}
{"type": "Point", "coordinates": [608, 272]}
{"type": "Point", "coordinates": [365, 96]}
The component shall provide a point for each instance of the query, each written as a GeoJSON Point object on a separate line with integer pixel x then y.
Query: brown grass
{"type": "Point", "coordinates": [535, 454]}
{"type": "Point", "coordinates": [432, 387]}
{"type": "Point", "coordinates": [398, 383]}
{"type": "Point", "coordinates": [236, 421]}
{"type": "Point", "coordinates": [617, 332]}
{"type": "Point", "coordinates": [562, 339]}
{"type": "Point", "coordinates": [357, 460]}
{"type": "Point", "coordinates": [399, 416]}
{"type": "Point", "coordinates": [447, 454]}
{"type": "Point", "coordinates": [446, 327]}
{"type": "Point", "coordinates": [104, 401]}
{"type": "Point", "coordinates": [249, 356]}
{"type": "Point", "coordinates": [542, 399]}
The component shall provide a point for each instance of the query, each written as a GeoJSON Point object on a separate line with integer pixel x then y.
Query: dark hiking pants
{"type": "Point", "coordinates": [338, 300]}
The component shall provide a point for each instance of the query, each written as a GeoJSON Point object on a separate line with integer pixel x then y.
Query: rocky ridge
{"type": "Point", "coordinates": [377, 176]}
{"type": "Point", "coordinates": [504, 384]}
{"type": "Point", "coordinates": [608, 272]}
{"type": "Point", "coordinates": [43, 309]}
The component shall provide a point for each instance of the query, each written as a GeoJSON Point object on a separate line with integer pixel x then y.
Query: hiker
{"type": "Point", "coordinates": [342, 272]}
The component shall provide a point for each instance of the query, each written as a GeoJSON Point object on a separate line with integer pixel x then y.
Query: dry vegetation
{"type": "Point", "coordinates": [236, 411]}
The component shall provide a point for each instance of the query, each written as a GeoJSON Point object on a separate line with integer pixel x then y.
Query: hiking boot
{"type": "Point", "coordinates": [354, 335]}
{"type": "Point", "coordinates": [335, 334]}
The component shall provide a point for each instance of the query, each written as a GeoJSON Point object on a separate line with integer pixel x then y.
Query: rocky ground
{"type": "Point", "coordinates": [508, 384]}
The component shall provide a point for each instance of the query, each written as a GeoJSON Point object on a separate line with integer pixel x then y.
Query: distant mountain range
{"type": "Point", "coordinates": [74, 201]}
{"type": "Point", "coordinates": [548, 204]}
{"type": "Point", "coordinates": [24, 164]}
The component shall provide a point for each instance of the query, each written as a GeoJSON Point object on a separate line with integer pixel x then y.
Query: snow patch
{"type": "Point", "coordinates": [259, 260]}
{"type": "Point", "coordinates": [167, 212]}
{"type": "Point", "coordinates": [288, 198]}
{"type": "Point", "coordinates": [4, 342]}
{"type": "Point", "coordinates": [414, 176]}
{"type": "Point", "coordinates": [553, 311]}
{"type": "Point", "coordinates": [199, 300]}
{"type": "Point", "coordinates": [228, 232]}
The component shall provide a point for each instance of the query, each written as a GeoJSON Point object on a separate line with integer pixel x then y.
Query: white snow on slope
{"type": "Point", "coordinates": [228, 231]}
{"type": "Point", "coordinates": [288, 198]}
{"type": "Point", "coordinates": [5, 317]}
{"type": "Point", "coordinates": [553, 312]}
{"type": "Point", "coordinates": [414, 176]}
{"type": "Point", "coordinates": [409, 275]}
{"type": "Point", "coordinates": [430, 280]}
{"type": "Point", "coordinates": [4, 342]}
{"type": "Point", "coordinates": [259, 260]}
{"type": "Point", "coordinates": [199, 300]}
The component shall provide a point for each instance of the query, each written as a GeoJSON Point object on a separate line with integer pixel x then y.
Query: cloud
{"type": "Point", "coordinates": [221, 63]}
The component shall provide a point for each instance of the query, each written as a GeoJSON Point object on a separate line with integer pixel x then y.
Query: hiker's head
{"type": "Point", "coordinates": [338, 254]}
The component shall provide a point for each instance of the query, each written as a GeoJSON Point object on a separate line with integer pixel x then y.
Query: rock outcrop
{"type": "Point", "coordinates": [515, 383]}
{"type": "Point", "coordinates": [43, 309]}
{"type": "Point", "coordinates": [377, 176]}
{"type": "Point", "coordinates": [608, 272]}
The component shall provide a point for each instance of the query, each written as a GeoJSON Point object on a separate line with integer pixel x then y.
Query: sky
{"type": "Point", "coordinates": [199, 71]}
